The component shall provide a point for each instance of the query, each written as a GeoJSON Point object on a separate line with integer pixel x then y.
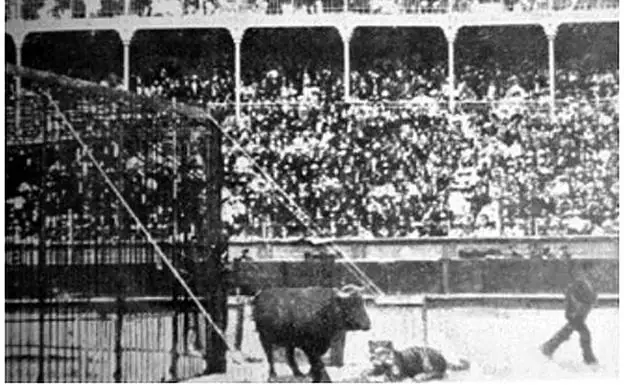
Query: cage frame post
{"type": "Point", "coordinates": [118, 348]}
{"type": "Point", "coordinates": [240, 320]}
{"type": "Point", "coordinates": [213, 243]}
{"type": "Point", "coordinates": [41, 251]}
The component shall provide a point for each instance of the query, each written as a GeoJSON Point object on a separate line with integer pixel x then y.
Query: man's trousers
{"type": "Point", "coordinates": [564, 334]}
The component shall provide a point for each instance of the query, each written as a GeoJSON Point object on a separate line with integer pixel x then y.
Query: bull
{"type": "Point", "coordinates": [308, 319]}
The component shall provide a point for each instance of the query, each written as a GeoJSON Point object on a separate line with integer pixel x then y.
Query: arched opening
{"type": "Point", "coordinates": [587, 61]}
{"type": "Point", "coordinates": [94, 56]}
{"type": "Point", "coordinates": [9, 49]}
{"type": "Point", "coordinates": [398, 63]}
{"type": "Point", "coordinates": [491, 61]}
{"type": "Point", "coordinates": [293, 58]}
{"type": "Point", "coordinates": [9, 81]}
{"type": "Point", "coordinates": [192, 66]}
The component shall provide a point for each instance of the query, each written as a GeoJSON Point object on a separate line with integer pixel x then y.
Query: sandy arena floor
{"type": "Point", "coordinates": [501, 344]}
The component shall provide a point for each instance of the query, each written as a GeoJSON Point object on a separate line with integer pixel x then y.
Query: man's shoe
{"type": "Point", "coordinates": [546, 350]}
{"type": "Point", "coordinates": [591, 360]}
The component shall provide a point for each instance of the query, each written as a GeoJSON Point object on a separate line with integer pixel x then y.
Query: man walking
{"type": "Point", "coordinates": [580, 297]}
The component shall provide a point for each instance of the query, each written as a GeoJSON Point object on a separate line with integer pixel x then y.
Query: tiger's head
{"type": "Point", "coordinates": [383, 358]}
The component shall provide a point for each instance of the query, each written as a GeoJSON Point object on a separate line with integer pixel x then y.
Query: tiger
{"type": "Point", "coordinates": [416, 362]}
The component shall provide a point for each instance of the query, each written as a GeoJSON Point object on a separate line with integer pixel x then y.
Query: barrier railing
{"type": "Point", "coordinates": [72, 9]}
{"type": "Point", "coordinates": [78, 9]}
{"type": "Point", "coordinates": [461, 104]}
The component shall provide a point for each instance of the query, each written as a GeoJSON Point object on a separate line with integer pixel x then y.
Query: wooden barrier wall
{"type": "Point", "coordinates": [444, 276]}
{"type": "Point", "coordinates": [432, 249]}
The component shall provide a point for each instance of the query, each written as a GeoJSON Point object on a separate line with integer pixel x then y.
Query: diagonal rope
{"type": "Point", "coordinates": [302, 216]}
{"type": "Point", "coordinates": [197, 113]}
{"type": "Point", "coordinates": [309, 223]}
{"type": "Point", "coordinates": [140, 225]}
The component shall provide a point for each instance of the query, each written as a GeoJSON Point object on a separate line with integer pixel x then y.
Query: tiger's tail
{"type": "Point", "coordinates": [461, 365]}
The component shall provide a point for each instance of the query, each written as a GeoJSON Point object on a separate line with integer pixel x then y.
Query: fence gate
{"type": "Point", "coordinates": [87, 297]}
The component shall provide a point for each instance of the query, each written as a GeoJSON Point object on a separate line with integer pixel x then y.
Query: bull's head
{"type": "Point", "coordinates": [352, 308]}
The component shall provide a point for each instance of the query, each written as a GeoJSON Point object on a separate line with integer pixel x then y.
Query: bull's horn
{"type": "Point", "coordinates": [350, 288]}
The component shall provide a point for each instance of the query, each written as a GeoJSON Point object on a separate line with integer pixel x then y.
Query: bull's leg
{"type": "Point", "coordinates": [268, 350]}
{"type": "Point", "coordinates": [290, 356]}
{"type": "Point", "coordinates": [317, 368]}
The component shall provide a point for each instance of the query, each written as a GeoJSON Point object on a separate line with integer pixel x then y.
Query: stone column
{"type": "Point", "coordinates": [18, 39]}
{"type": "Point", "coordinates": [237, 36]}
{"type": "Point", "coordinates": [551, 34]}
{"type": "Point", "coordinates": [126, 35]}
{"type": "Point", "coordinates": [346, 33]}
{"type": "Point", "coordinates": [450, 32]}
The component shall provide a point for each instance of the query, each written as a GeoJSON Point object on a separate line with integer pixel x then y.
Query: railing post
{"type": "Point", "coordinates": [284, 273]}
{"type": "Point", "coordinates": [127, 9]}
{"type": "Point", "coordinates": [477, 276]}
{"type": "Point", "coordinates": [425, 323]}
{"type": "Point", "coordinates": [445, 276]}
{"type": "Point", "coordinates": [445, 261]}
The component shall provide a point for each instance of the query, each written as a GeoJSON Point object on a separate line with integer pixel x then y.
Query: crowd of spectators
{"type": "Point", "coordinates": [400, 73]}
{"type": "Point", "coordinates": [391, 162]}
{"type": "Point", "coordinates": [133, 145]}
{"type": "Point", "coordinates": [214, 84]}
{"type": "Point", "coordinates": [358, 170]}
{"type": "Point", "coordinates": [377, 171]}
{"type": "Point", "coordinates": [384, 81]}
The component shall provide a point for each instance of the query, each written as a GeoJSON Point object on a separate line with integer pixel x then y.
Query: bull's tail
{"type": "Point", "coordinates": [460, 365]}
{"type": "Point", "coordinates": [254, 299]}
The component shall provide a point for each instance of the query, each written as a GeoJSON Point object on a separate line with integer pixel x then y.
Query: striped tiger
{"type": "Point", "coordinates": [416, 362]}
